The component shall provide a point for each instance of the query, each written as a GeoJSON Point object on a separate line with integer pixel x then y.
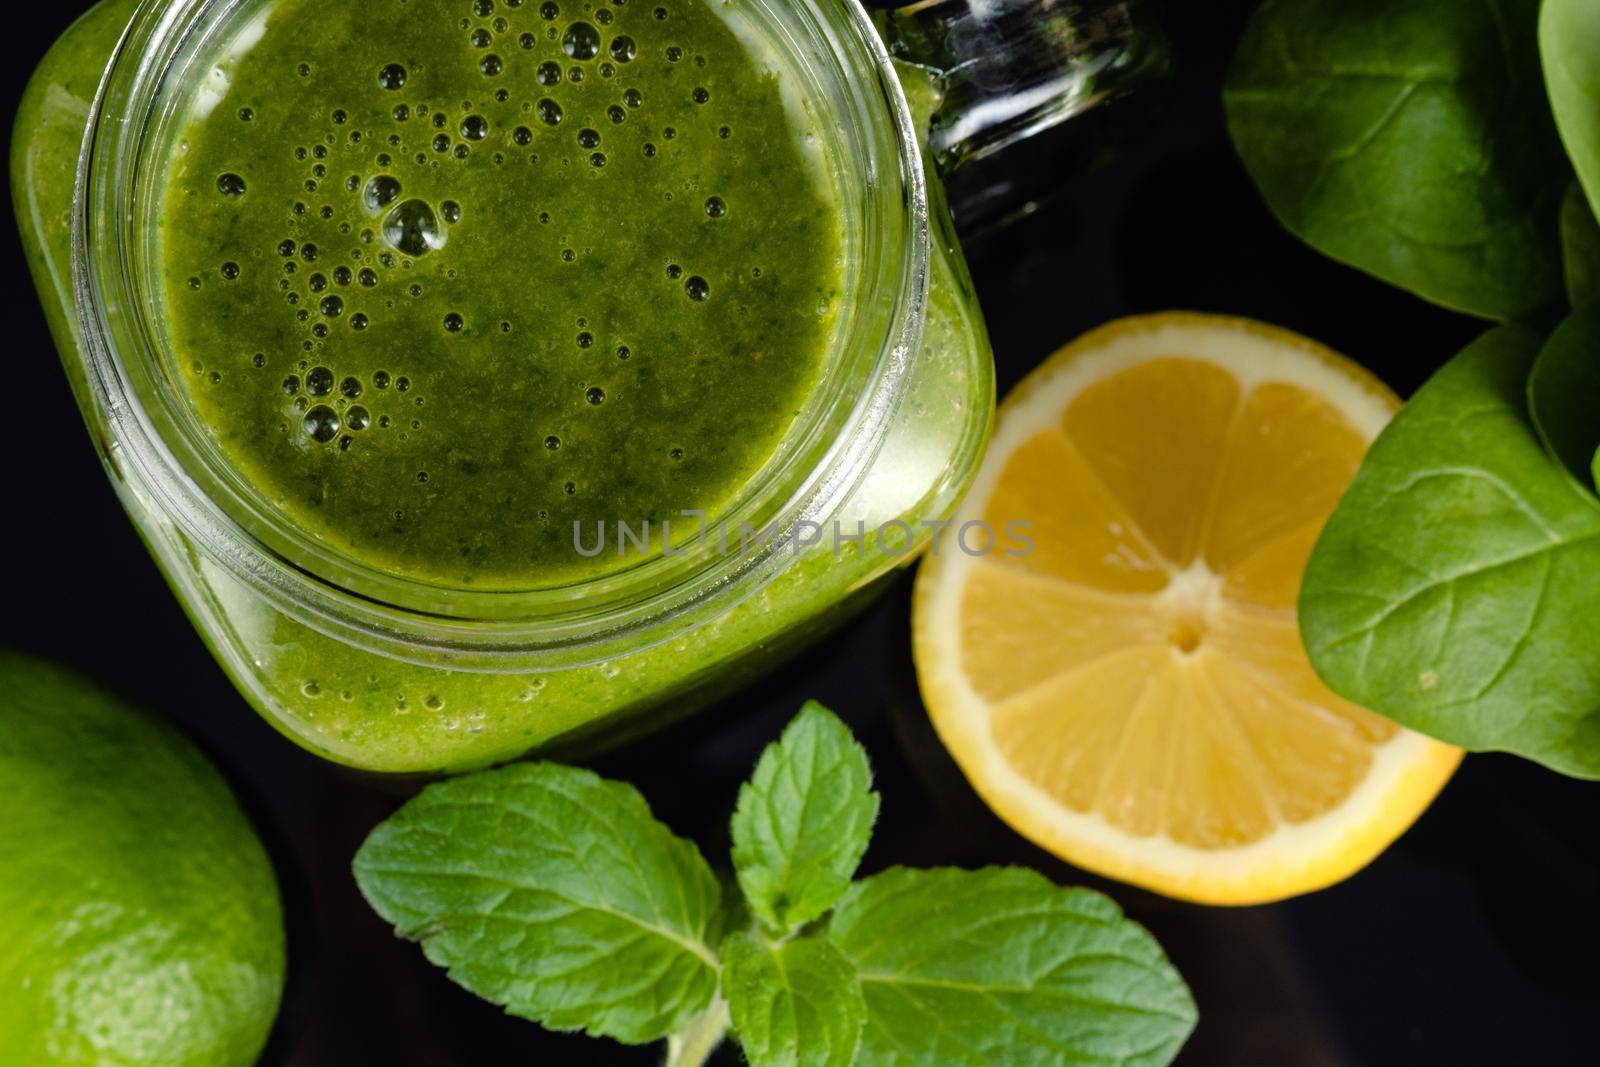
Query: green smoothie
{"type": "Point", "coordinates": [442, 277]}
{"type": "Point", "coordinates": [719, 378]}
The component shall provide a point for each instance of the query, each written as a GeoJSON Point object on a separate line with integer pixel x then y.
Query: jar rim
{"type": "Point", "coordinates": [664, 593]}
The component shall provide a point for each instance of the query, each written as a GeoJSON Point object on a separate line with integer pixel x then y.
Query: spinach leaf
{"type": "Point", "coordinates": [1564, 394]}
{"type": "Point", "coordinates": [1411, 139]}
{"type": "Point", "coordinates": [1580, 247]}
{"type": "Point", "coordinates": [1569, 41]}
{"type": "Point", "coordinates": [1456, 588]}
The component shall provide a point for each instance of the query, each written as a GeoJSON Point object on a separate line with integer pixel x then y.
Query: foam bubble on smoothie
{"type": "Point", "coordinates": [581, 41]}
{"type": "Point", "coordinates": [405, 219]}
{"type": "Point", "coordinates": [414, 228]}
{"type": "Point", "coordinates": [381, 190]}
{"type": "Point", "coordinates": [321, 423]}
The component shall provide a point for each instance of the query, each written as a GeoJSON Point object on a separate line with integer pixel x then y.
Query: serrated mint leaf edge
{"type": "Point", "coordinates": [829, 882]}
{"type": "Point", "coordinates": [1090, 906]}
{"type": "Point", "coordinates": [735, 994]}
{"type": "Point", "coordinates": [416, 925]}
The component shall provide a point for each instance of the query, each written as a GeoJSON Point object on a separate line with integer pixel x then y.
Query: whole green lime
{"type": "Point", "coordinates": [140, 922]}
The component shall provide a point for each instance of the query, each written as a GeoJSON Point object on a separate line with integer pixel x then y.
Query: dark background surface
{"type": "Point", "coordinates": [1474, 940]}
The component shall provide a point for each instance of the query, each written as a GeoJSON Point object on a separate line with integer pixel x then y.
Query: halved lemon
{"type": "Point", "coordinates": [1117, 668]}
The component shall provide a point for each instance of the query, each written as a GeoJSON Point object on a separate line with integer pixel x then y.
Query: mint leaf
{"type": "Point", "coordinates": [1000, 966]}
{"type": "Point", "coordinates": [797, 1004]}
{"type": "Point", "coordinates": [803, 820]}
{"type": "Point", "coordinates": [554, 893]}
{"type": "Point", "coordinates": [1411, 139]}
{"type": "Point", "coordinates": [1456, 587]}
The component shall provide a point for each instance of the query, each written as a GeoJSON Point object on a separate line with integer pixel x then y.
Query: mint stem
{"type": "Point", "coordinates": [694, 1044]}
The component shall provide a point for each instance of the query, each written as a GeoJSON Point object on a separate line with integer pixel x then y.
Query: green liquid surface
{"type": "Point", "coordinates": [397, 715]}
{"type": "Point", "coordinates": [442, 277]}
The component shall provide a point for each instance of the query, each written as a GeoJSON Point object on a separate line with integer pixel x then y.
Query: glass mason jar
{"type": "Point", "coordinates": [392, 675]}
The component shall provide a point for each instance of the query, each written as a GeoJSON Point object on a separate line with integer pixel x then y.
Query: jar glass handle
{"type": "Point", "coordinates": [1006, 70]}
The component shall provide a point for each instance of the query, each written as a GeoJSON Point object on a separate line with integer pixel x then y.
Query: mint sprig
{"type": "Point", "coordinates": [803, 821]}
{"type": "Point", "coordinates": [555, 894]}
{"type": "Point", "coordinates": [1001, 965]}
{"type": "Point", "coordinates": [793, 1002]}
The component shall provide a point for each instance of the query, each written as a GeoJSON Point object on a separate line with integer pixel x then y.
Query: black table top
{"type": "Point", "coordinates": [1475, 939]}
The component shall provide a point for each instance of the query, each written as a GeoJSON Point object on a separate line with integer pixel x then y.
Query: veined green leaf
{"type": "Point", "coordinates": [1456, 588]}
{"type": "Point", "coordinates": [803, 820]}
{"type": "Point", "coordinates": [554, 893]}
{"type": "Point", "coordinates": [1569, 42]}
{"type": "Point", "coordinates": [1000, 966]}
{"type": "Point", "coordinates": [795, 1004]}
{"type": "Point", "coordinates": [1580, 247]}
{"type": "Point", "coordinates": [1411, 139]}
{"type": "Point", "coordinates": [1564, 394]}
